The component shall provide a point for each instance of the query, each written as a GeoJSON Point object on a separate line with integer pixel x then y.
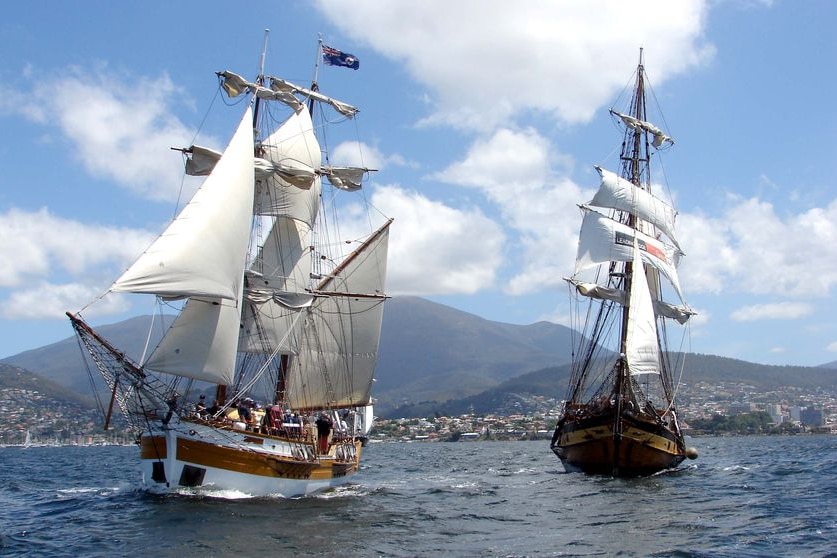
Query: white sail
{"type": "Point", "coordinates": [634, 123]}
{"type": "Point", "coordinates": [618, 193]}
{"type": "Point", "coordinates": [201, 343]}
{"type": "Point", "coordinates": [592, 290]}
{"type": "Point", "coordinates": [281, 87]}
{"type": "Point", "coordinates": [603, 240]}
{"type": "Point", "coordinates": [294, 190]}
{"type": "Point", "coordinates": [641, 345]}
{"type": "Point", "coordinates": [203, 251]}
{"type": "Point", "coordinates": [202, 160]}
{"type": "Point", "coordinates": [339, 342]}
{"type": "Point", "coordinates": [275, 293]}
{"type": "Point", "coordinates": [345, 178]}
{"type": "Point", "coordinates": [281, 90]}
{"type": "Point", "coordinates": [681, 314]}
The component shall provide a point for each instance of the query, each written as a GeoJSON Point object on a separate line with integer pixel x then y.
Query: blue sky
{"type": "Point", "coordinates": [485, 118]}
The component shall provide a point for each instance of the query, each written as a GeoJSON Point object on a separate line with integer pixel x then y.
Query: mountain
{"type": "Point", "coordinates": [433, 352]}
{"type": "Point", "coordinates": [62, 362]}
{"type": "Point", "coordinates": [526, 394]}
{"type": "Point", "coordinates": [435, 357]}
{"type": "Point", "coordinates": [14, 377]}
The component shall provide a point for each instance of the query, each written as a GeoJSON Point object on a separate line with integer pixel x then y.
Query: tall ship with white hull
{"type": "Point", "coordinates": [262, 383]}
{"type": "Point", "coordinates": [619, 416]}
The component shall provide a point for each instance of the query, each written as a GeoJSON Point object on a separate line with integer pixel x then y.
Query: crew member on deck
{"type": "Point", "coordinates": [323, 430]}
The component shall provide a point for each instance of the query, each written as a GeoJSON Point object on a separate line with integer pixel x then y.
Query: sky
{"type": "Point", "coordinates": [485, 119]}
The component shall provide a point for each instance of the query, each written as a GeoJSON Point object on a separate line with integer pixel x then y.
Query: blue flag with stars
{"type": "Point", "coordinates": [334, 57]}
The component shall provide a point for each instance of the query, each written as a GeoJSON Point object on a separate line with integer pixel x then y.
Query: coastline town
{"type": "Point", "coordinates": [722, 408]}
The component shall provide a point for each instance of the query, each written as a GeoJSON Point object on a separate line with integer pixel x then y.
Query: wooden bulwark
{"type": "Point", "coordinates": [153, 447]}
{"type": "Point", "coordinates": [250, 462]}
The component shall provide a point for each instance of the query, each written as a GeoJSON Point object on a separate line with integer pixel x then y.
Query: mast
{"type": "Point", "coordinates": [632, 157]}
{"type": "Point", "coordinates": [314, 86]}
{"type": "Point", "coordinates": [260, 78]}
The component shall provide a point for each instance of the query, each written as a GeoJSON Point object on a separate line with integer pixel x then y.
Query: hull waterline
{"type": "Point", "coordinates": [639, 448]}
{"type": "Point", "coordinates": [206, 459]}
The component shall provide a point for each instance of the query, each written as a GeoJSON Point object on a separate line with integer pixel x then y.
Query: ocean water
{"type": "Point", "coordinates": [744, 496]}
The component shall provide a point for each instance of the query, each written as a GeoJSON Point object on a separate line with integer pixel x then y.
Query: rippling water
{"type": "Point", "coordinates": [746, 496]}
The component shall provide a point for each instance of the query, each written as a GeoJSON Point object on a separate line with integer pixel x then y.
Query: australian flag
{"type": "Point", "coordinates": [334, 57]}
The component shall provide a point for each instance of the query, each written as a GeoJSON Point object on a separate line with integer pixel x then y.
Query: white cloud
{"type": "Point", "coordinates": [832, 347]}
{"type": "Point", "coordinates": [501, 58]}
{"type": "Point", "coordinates": [119, 128]}
{"type": "Point", "coordinates": [359, 154]}
{"type": "Point", "coordinates": [752, 249]}
{"type": "Point", "coordinates": [34, 245]}
{"type": "Point", "coordinates": [436, 249]}
{"type": "Point", "coordinates": [49, 301]}
{"type": "Point", "coordinates": [772, 311]}
{"type": "Point", "coordinates": [514, 170]}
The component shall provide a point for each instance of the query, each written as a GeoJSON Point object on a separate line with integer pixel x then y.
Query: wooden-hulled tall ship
{"type": "Point", "coordinates": [619, 416]}
{"type": "Point", "coordinates": [262, 383]}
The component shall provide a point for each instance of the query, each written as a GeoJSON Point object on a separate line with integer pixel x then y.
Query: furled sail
{"type": "Point", "coordinates": [345, 178]}
{"type": "Point", "coordinates": [341, 334]}
{"type": "Point", "coordinates": [202, 160]}
{"type": "Point", "coordinates": [665, 309]}
{"type": "Point", "coordinates": [604, 240]}
{"type": "Point", "coordinates": [642, 350]}
{"type": "Point", "coordinates": [618, 193]}
{"type": "Point", "coordinates": [636, 124]}
{"type": "Point", "coordinates": [281, 90]}
{"type": "Point", "coordinates": [203, 251]}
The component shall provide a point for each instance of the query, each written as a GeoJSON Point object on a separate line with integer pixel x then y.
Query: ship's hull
{"type": "Point", "coordinates": [190, 456]}
{"type": "Point", "coordinates": [624, 446]}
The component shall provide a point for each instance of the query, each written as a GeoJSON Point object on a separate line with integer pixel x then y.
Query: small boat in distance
{"type": "Point", "coordinates": [279, 318]}
{"type": "Point", "coordinates": [619, 416]}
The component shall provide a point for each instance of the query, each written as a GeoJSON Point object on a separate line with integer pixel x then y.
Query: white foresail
{"type": "Point", "coordinates": [339, 342]}
{"type": "Point", "coordinates": [641, 345]}
{"type": "Point", "coordinates": [202, 252]}
{"type": "Point", "coordinates": [205, 245]}
{"type": "Point", "coordinates": [201, 343]}
{"type": "Point", "coordinates": [618, 193]}
{"type": "Point", "coordinates": [603, 240]}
